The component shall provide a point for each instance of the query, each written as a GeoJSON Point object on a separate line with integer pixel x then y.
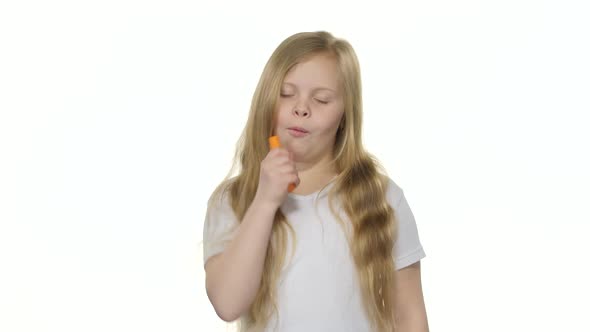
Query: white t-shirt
{"type": "Point", "coordinates": [318, 288]}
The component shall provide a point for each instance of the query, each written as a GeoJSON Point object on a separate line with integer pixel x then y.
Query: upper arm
{"type": "Point", "coordinates": [408, 296]}
{"type": "Point", "coordinates": [219, 227]}
{"type": "Point", "coordinates": [210, 268]}
{"type": "Point", "coordinates": [407, 248]}
{"type": "Point", "coordinates": [212, 287]}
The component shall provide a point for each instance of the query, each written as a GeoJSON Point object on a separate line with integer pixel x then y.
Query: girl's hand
{"type": "Point", "coordinates": [277, 171]}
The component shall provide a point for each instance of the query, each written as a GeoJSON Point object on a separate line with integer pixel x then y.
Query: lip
{"type": "Point", "coordinates": [303, 130]}
{"type": "Point", "coordinates": [296, 132]}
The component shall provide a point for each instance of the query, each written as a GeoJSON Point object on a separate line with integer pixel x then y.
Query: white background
{"type": "Point", "coordinates": [118, 118]}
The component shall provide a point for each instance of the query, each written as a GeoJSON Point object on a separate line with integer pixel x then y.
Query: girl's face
{"type": "Point", "coordinates": [310, 108]}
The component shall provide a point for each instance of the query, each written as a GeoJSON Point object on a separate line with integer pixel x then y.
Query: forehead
{"type": "Point", "coordinates": [317, 72]}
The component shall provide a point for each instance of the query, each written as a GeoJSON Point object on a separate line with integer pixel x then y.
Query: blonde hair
{"type": "Point", "coordinates": [360, 186]}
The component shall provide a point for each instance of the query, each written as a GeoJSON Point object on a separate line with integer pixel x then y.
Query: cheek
{"type": "Point", "coordinates": [281, 115]}
{"type": "Point", "coordinates": [328, 128]}
{"type": "Point", "coordinates": [284, 110]}
{"type": "Point", "coordinates": [333, 121]}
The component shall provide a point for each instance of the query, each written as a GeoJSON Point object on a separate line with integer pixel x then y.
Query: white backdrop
{"type": "Point", "coordinates": [118, 118]}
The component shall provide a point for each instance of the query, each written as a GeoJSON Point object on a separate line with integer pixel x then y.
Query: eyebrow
{"type": "Point", "coordinates": [317, 88]}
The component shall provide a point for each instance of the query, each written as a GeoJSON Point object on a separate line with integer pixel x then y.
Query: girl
{"type": "Point", "coordinates": [340, 252]}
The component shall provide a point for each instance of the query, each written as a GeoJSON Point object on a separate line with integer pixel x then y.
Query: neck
{"type": "Point", "coordinates": [314, 175]}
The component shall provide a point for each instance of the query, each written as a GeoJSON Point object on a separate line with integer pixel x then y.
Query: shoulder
{"type": "Point", "coordinates": [394, 192]}
{"type": "Point", "coordinates": [219, 213]}
{"type": "Point", "coordinates": [220, 197]}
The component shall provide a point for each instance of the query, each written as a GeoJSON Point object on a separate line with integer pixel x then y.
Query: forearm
{"type": "Point", "coordinates": [234, 277]}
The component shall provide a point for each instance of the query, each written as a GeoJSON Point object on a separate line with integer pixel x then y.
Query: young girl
{"type": "Point", "coordinates": [341, 251]}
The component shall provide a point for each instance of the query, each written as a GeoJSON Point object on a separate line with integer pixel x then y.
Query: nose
{"type": "Point", "coordinates": [301, 110]}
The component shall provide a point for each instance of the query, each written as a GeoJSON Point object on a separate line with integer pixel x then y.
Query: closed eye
{"type": "Point", "coordinates": [318, 100]}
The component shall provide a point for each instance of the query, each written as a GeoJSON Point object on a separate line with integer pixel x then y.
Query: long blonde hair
{"type": "Point", "coordinates": [360, 186]}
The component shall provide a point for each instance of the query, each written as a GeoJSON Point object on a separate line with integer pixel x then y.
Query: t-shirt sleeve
{"type": "Point", "coordinates": [407, 247]}
{"type": "Point", "coordinates": [219, 227]}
